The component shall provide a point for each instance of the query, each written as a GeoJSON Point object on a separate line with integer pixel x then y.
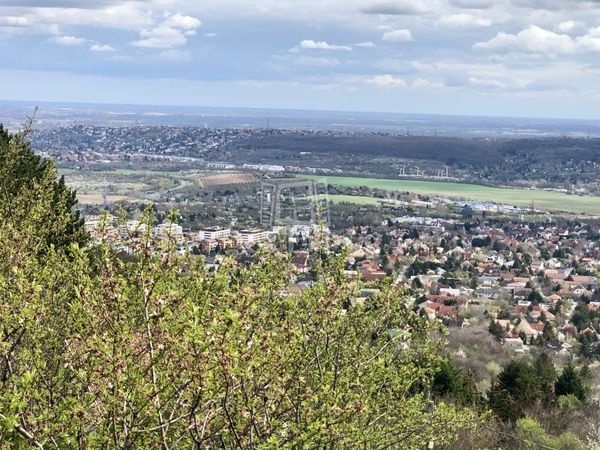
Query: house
{"type": "Point", "coordinates": [514, 342]}
{"type": "Point", "coordinates": [300, 260]}
{"type": "Point", "coordinates": [526, 328]}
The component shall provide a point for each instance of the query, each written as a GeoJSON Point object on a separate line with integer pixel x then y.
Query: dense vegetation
{"type": "Point", "coordinates": [443, 149]}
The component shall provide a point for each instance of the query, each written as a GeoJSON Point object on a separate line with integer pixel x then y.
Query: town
{"type": "Point", "coordinates": [527, 284]}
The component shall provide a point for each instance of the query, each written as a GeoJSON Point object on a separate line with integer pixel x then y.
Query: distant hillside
{"type": "Point", "coordinates": [551, 149]}
{"type": "Point", "coordinates": [445, 149]}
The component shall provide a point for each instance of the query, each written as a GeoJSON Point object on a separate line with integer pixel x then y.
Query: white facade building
{"type": "Point", "coordinates": [214, 233]}
{"type": "Point", "coordinates": [254, 236]}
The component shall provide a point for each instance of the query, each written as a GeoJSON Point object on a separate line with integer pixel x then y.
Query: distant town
{"type": "Point", "coordinates": [527, 284]}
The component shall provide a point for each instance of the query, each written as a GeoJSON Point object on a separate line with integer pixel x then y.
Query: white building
{"type": "Point", "coordinates": [132, 228]}
{"type": "Point", "coordinates": [168, 230]}
{"type": "Point", "coordinates": [254, 236]}
{"type": "Point", "coordinates": [214, 233]}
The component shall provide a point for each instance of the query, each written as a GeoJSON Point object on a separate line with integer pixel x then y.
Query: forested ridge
{"type": "Point", "coordinates": [153, 350]}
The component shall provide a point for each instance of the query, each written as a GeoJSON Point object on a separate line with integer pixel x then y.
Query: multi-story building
{"type": "Point", "coordinates": [132, 228]}
{"type": "Point", "coordinates": [253, 236]}
{"type": "Point", "coordinates": [168, 230]}
{"type": "Point", "coordinates": [214, 233]}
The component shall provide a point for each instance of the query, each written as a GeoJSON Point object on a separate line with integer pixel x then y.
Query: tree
{"type": "Point", "coordinates": [495, 329]}
{"type": "Point", "coordinates": [450, 381]}
{"type": "Point", "coordinates": [31, 194]}
{"type": "Point", "coordinates": [569, 382]}
{"type": "Point", "coordinates": [546, 374]}
{"type": "Point", "coordinates": [535, 297]}
{"type": "Point", "coordinates": [531, 435]}
{"type": "Point", "coordinates": [516, 390]}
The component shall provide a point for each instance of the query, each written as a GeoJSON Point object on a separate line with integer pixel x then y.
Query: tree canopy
{"type": "Point", "coordinates": [36, 207]}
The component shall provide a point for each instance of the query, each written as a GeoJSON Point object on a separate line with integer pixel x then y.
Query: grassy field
{"type": "Point", "coordinates": [354, 199]}
{"type": "Point", "coordinates": [548, 200]}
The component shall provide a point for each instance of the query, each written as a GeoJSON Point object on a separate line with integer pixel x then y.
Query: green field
{"type": "Point", "coordinates": [354, 199]}
{"type": "Point", "coordinates": [549, 200]}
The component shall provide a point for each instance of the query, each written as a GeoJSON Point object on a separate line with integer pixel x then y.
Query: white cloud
{"type": "Point", "coordinates": [387, 80]}
{"type": "Point", "coordinates": [367, 44]}
{"type": "Point", "coordinates": [309, 44]}
{"type": "Point", "coordinates": [127, 16]}
{"type": "Point", "coordinates": [538, 40]}
{"type": "Point", "coordinates": [160, 37]}
{"type": "Point", "coordinates": [532, 39]}
{"type": "Point", "coordinates": [565, 27]}
{"type": "Point", "coordinates": [398, 36]}
{"type": "Point", "coordinates": [182, 22]}
{"type": "Point", "coordinates": [101, 48]}
{"type": "Point", "coordinates": [171, 33]}
{"type": "Point", "coordinates": [16, 21]}
{"type": "Point", "coordinates": [68, 41]}
{"type": "Point", "coordinates": [464, 20]}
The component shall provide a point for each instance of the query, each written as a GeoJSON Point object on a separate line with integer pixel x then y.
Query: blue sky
{"type": "Point", "coordinates": [479, 57]}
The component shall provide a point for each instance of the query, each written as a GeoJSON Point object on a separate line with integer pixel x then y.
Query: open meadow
{"type": "Point", "coordinates": [548, 200]}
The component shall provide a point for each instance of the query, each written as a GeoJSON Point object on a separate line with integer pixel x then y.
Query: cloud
{"type": "Point", "coordinates": [160, 37]}
{"type": "Point", "coordinates": [182, 22]}
{"type": "Point", "coordinates": [16, 21]}
{"type": "Point", "coordinates": [171, 33]}
{"type": "Point", "coordinates": [472, 4]}
{"type": "Point", "coordinates": [58, 3]}
{"type": "Point", "coordinates": [387, 80]}
{"type": "Point", "coordinates": [464, 20]}
{"type": "Point", "coordinates": [532, 39]}
{"type": "Point", "coordinates": [125, 16]}
{"type": "Point", "coordinates": [398, 36]}
{"type": "Point", "coordinates": [367, 44]}
{"type": "Point", "coordinates": [396, 8]}
{"type": "Point", "coordinates": [309, 44]}
{"type": "Point", "coordinates": [557, 5]}
{"type": "Point", "coordinates": [101, 48]}
{"type": "Point", "coordinates": [538, 40]}
{"type": "Point", "coordinates": [566, 26]}
{"type": "Point", "coordinates": [68, 41]}
{"type": "Point", "coordinates": [421, 83]}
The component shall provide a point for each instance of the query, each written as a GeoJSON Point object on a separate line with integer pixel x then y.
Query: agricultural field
{"type": "Point", "coordinates": [547, 200]}
{"type": "Point", "coordinates": [224, 179]}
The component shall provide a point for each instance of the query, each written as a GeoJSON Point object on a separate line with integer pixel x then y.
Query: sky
{"type": "Point", "coordinates": [536, 58]}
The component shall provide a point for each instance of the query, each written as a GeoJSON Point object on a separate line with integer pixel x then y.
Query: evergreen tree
{"type": "Point", "coordinates": [546, 374]}
{"type": "Point", "coordinates": [569, 383]}
{"type": "Point", "coordinates": [495, 329]}
{"type": "Point", "coordinates": [32, 194]}
{"type": "Point", "coordinates": [515, 392]}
